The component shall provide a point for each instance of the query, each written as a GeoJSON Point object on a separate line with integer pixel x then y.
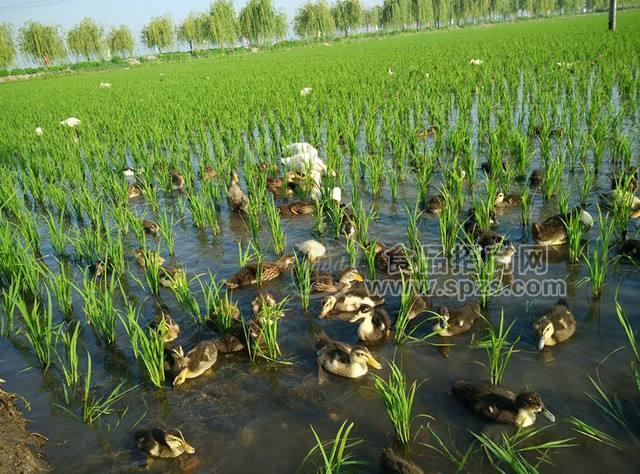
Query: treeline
{"type": "Point", "coordinates": [259, 22]}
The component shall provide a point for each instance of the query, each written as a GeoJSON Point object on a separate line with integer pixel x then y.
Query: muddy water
{"type": "Point", "coordinates": [256, 418]}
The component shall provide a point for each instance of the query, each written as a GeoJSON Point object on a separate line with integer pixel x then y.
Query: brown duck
{"type": "Point", "coordinates": [248, 275]}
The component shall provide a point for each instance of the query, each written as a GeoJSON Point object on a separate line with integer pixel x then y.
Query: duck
{"type": "Point", "coordinates": [508, 200]}
{"type": "Point", "coordinates": [229, 343]}
{"type": "Point", "coordinates": [419, 304]}
{"type": "Point", "coordinates": [553, 230]}
{"type": "Point", "coordinates": [238, 202]}
{"type": "Point", "coordinates": [487, 167]}
{"type": "Point", "coordinates": [150, 227]}
{"type": "Point", "coordinates": [434, 204]}
{"type": "Point", "coordinates": [629, 248]}
{"type": "Point", "coordinates": [280, 188]}
{"type": "Point", "coordinates": [628, 179]}
{"type": "Point", "coordinates": [158, 443]}
{"type": "Point", "coordinates": [170, 276]}
{"type": "Point", "coordinates": [375, 323]}
{"type": "Point", "coordinates": [263, 300]}
{"type": "Point", "coordinates": [312, 249]}
{"type": "Point", "coordinates": [339, 358]}
{"type": "Point", "coordinates": [619, 197]}
{"type": "Point", "coordinates": [349, 301]}
{"type": "Point", "coordinates": [536, 178]}
{"type": "Point", "coordinates": [248, 275]}
{"type": "Point", "coordinates": [208, 174]}
{"type": "Point", "coordinates": [457, 320]}
{"type": "Point", "coordinates": [134, 191]}
{"type": "Point", "coordinates": [391, 260]}
{"type": "Point", "coordinates": [500, 405]}
{"type": "Point", "coordinates": [555, 326]}
{"type": "Point", "coordinates": [392, 463]}
{"type": "Point", "coordinates": [195, 362]}
{"type": "Point", "coordinates": [143, 256]}
{"type": "Point", "coordinates": [492, 243]}
{"type": "Point", "coordinates": [177, 180]}
{"type": "Point", "coordinates": [427, 132]}
{"type": "Point", "coordinates": [171, 327]}
{"type": "Point", "coordinates": [297, 208]}
{"type": "Point", "coordinates": [325, 282]}
{"type": "Point", "coordinates": [304, 160]}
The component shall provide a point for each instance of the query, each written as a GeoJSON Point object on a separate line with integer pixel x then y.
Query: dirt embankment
{"type": "Point", "coordinates": [19, 449]}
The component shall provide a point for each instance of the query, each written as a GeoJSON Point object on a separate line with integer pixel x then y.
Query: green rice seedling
{"type": "Point", "coordinates": [594, 433]}
{"type": "Point", "coordinates": [552, 177]}
{"type": "Point", "coordinates": [167, 225]}
{"type": "Point", "coordinates": [574, 237]}
{"type": "Point", "coordinates": [318, 217]}
{"type": "Point", "coordinates": [375, 172]}
{"type": "Point", "coordinates": [369, 252]}
{"type": "Point", "coordinates": [526, 208]}
{"type": "Point", "coordinates": [610, 405]}
{"type": "Point", "coordinates": [412, 226]}
{"type": "Point", "coordinates": [114, 253]}
{"type": "Point", "coordinates": [218, 305]}
{"type": "Point", "coordinates": [336, 215]}
{"type": "Point", "coordinates": [38, 328]}
{"type": "Point", "coordinates": [362, 221]}
{"type": "Point", "coordinates": [148, 345]}
{"type": "Point", "coordinates": [628, 330]}
{"type": "Point", "coordinates": [10, 297]}
{"type": "Point", "coordinates": [622, 207]}
{"type": "Point", "coordinates": [588, 180]}
{"type": "Point", "coordinates": [483, 210]}
{"type": "Point", "coordinates": [62, 288]}
{"type": "Point", "coordinates": [398, 397]}
{"type": "Point", "coordinates": [485, 270]}
{"type": "Point", "coordinates": [511, 450]}
{"type": "Point", "coordinates": [252, 222]}
{"type": "Point", "coordinates": [448, 224]}
{"type": "Point", "coordinates": [278, 237]}
{"type": "Point", "coordinates": [99, 306]}
{"type": "Point", "coordinates": [563, 200]}
{"type": "Point", "coordinates": [302, 272]}
{"type": "Point", "coordinates": [598, 261]}
{"type": "Point", "coordinates": [245, 256]}
{"type": "Point", "coordinates": [264, 338]}
{"type": "Point", "coordinates": [151, 196]}
{"type": "Point", "coordinates": [335, 455]}
{"type": "Point", "coordinates": [392, 179]}
{"type": "Point", "coordinates": [94, 408]}
{"type": "Point", "coordinates": [69, 359]}
{"type": "Point", "coordinates": [197, 207]}
{"type": "Point", "coordinates": [400, 335]}
{"type": "Point", "coordinates": [352, 251]}
{"type": "Point", "coordinates": [184, 295]}
{"type": "Point", "coordinates": [470, 167]}
{"type": "Point", "coordinates": [57, 235]}
{"type": "Point", "coordinates": [458, 459]}
{"type": "Point", "coordinates": [420, 268]}
{"type": "Point", "coordinates": [498, 348]}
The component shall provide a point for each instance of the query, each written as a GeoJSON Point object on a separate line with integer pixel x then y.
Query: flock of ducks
{"type": "Point", "coordinates": [347, 299]}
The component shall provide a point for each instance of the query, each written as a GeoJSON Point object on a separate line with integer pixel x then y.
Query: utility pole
{"type": "Point", "coordinates": [612, 15]}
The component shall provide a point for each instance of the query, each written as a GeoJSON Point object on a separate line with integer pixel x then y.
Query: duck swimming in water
{"type": "Point", "coordinates": [349, 301]}
{"type": "Point", "coordinates": [325, 282]}
{"type": "Point", "coordinates": [238, 202]}
{"type": "Point", "coordinates": [341, 359]}
{"type": "Point", "coordinates": [553, 231]}
{"type": "Point", "coordinates": [375, 323]}
{"type": "Point", "coordinates": [195, 362]}
{"type": "Point", "coordinates": [248, 275]}
{"type": "Point", "coordinates": [457, 320]}
{"type": "Point", "coordinates": [556, 325]}
{"type": "Point", "coordinates": [159, 443]}
{"type": "Point", "coordinates": [500, 405]}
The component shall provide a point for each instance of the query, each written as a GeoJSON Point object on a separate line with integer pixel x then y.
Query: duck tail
{"type": "Point", "coordinates": [320, 338]}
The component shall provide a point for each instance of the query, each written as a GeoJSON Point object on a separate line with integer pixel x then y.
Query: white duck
{"type": "Point", "coordinates": [70, 122]}
{"type": "Point", "coordinates": [312, 249]}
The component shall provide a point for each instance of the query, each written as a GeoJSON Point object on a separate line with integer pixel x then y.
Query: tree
{"type": "Point", "coordinates": [120, 40]}
{"type": "Point", "coordinates": [421, 13]}
{"type": "Point", "coordinates": [314, 20]}
{"type": "Point", "coordinates": [372, 17]}
{"type": "Point", "coordinates": [193, 30]}
{"type": "Point", "coordinates": [612, 15]}
{"type": "Point", "coordinates": [158, 33]}
{"type": "Point", "coordinates": [7, 46]}
{"type": "Point", "coordinates": [280, 25]}
{"type": "Point", "coordinates": [396, 14]}
{"type": "Point", "coordinates": [347, 14]}
{"type": "Point", "coordinates": [41, 42]}
{"type": "Point", "coordinates": [222, 23]}
{"type": "Point", "coordinates": [259, 21]}
{"type": "Point", "coordinates": [85, 39]}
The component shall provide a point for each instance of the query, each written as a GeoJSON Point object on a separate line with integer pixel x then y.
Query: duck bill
{"type": "Point", "coordinates": [541, 344]}
{"type": "Point", "coordinates": [356, 318]}
{"type": "Point", "coordinates": [359, 278]}
{"type": "Point", "coordinates": [189, 449]}
{"type": "Point", "coordinates": [548, 415]}
{"type": "Point", "coordinates": [374, 363]}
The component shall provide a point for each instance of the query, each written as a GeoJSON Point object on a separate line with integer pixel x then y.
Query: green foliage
{"type": "Point", "coordinates": [314, 20]}
{"type": "Point", "coordinates": [260, 22]}
{"type": "Point", "coordinates": [347, 15]}
{"type": "Point", "coordinates": [158, 33]}
{"type": "Point", "coordinates": [42, 43]}
{"type": "Point", "coordinates": [193, 30]}
{"type": "Point", "coordinates": [85, 39]}
{"type": "Point", "coordinates": [120, 40]}
{"type": "Point", "coordinates": [7, 45]}
{"type": "Point", "coordinates": [222, 24]}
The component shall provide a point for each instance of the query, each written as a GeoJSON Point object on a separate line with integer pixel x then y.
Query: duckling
{"type": "Point", "coordinates": [229, 343]}
{"type": "Point", "coordinates": [134, 191]}
{"type": "Point", "coordinates": [556, 325]}
{"type": "Point", "coordinates": [263, 299]}
{"type": "Point", "coordinates": [279, 188]}
{"type": "Point", "coordinates": [142, 257]}
{"type": "Point", "coordinates": [208, 174]}
{"type": "Point", "coordinates": [500, 405]}
{"type": "Point", "coordinates": [392, 463]}
{"type": "Point", "coordinates": [487, 167]}
{"type": "Point", "coordinates": [128, 172]}
{"type": "Point", "coordinates": [159, 443]}
{"type": "Point", "coordinates": [312, 249]}
{"type": "Point", "coordinates": [419, 304]}
{"type": "Point", "coordinates": [509, 200]}
{"type": "Point", "coordinates": [391, 260]}
{"type": "Point", "coordinates": [629, 247]}
{"type": "Point", "coordinates": [170, 276]}
{"type": "Point", "coordinates": [457, 320]}
{"type": "Point", "coordinates": [171, 327]}
{"type": "Point", "coordinates": [324, 282]}
{"type": "Point", "coordinates": [375, 323]}
{"type": "Point", "coordinates": [177, 180]}
{"type": "Point", "coordinates": [195, 362]}
{"type": "Point", "coordinates": [620, 197]}
{"type": "Point", "coordinates": [248, 275]}
{"type": "Point", "coordinates": [297, 208]}
{"type": "Point", "coordinates": [492, 243]}
{"type": "Point", "coordinates": [553, 231]}
{"type": "Point", "coordinates": [150, 227]}
{"type": "Point", "coordinates": [434, 204]}
{"type": "Point", "coordinates": [628, 179]}
{"type": "Point", "coordinates": [341, 359]}
{"type": "Point", "coordinates": [536, 179]}
{"type": "Point", "coordinates": [349, 301]}
{"type": "Point", "coordinates": [238, 202]}
{"type": "Point", "coordinates": [427, 132]}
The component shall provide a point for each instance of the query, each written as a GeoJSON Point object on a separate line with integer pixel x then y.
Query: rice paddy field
{"type": "Point", "coordinates": [459, 115]}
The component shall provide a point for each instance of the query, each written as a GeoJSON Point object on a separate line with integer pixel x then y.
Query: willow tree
{"type": "Point", "coordinates": [158, 33]}
{"type": "Point", "coordinates": [259, 21]}
{"type": "Point", "coordinates": [42, 43]}
{"type": "Point", "coordinates": [440, 12]}
{"type": "Point", "coordinates": [280, 26]}
{"type": "Point", "coordinates": [120, 40]}
{"type": "Point", "coordinates": [222, 24]}
{"type": "Point", "coordinates": [372, 17]}
{"type": "Point", "coordinates": [347, 15]}
{"type": "Point", "coordinates": [85, 39]}
{"type": "Point", "coordinates": [193, 30]}
{"type": "Point", "coordinates": [314, 20]}
{"type": "Point", "coordinates": [7, 46]}
{"type": "Point", "coordinates": [396, 14]}
{"type": "Point", "coordinates": [421, 12]}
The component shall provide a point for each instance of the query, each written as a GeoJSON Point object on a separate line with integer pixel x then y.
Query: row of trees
{"type": "Point", "coordinates": [259, 22]}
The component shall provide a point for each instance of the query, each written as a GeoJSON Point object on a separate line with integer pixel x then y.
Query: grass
{"type": "Point", "coordinates": [38, 328]}
{"type": "Point", "coordinates": [400, 334]}
{"type": "Point", "coordinates": [598, 261]}
{"type": "Point", "coordinates": [498, 349]}
{"type": "Point", "coordinates": [335, 455]}
{"type": "Point", "coordinates": [69, 360]}
{"type": "Point", "coordinates": [302, 272]}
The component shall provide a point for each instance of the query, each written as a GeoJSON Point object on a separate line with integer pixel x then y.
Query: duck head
{"type": "Point", "coordinates": [361, 355]}
{"type": "Point", "coordinates": [263, 298]}
{"type": "Point", "coordinates": [529, 404]}
{"type": "Point", "coordinates": [350, 275]}
{"type": "Point", "coordinates": [178, 444]}
{"type": "Point", "coordinates": [285, 262]}
{"type": "Point", "coordinates": [328, 306]}
{"type": "Point", "coordinates": [545, 330]}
